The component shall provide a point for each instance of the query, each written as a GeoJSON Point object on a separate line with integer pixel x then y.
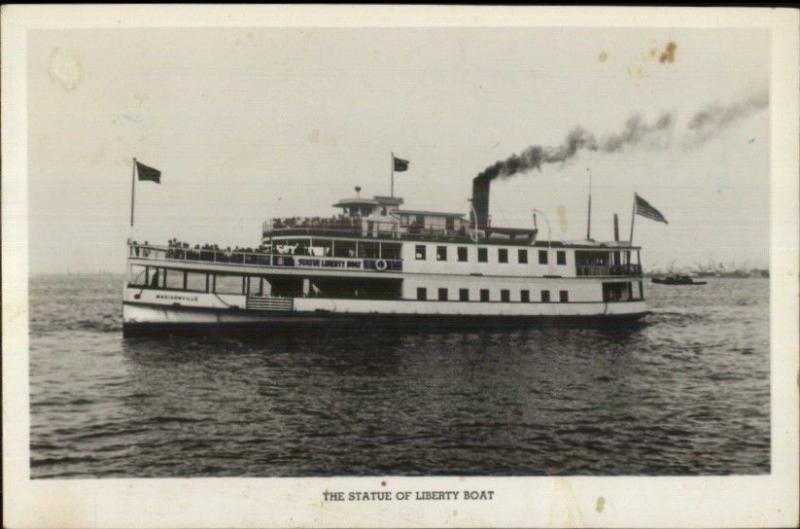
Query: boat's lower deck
{"type": "Point", "coordinates": [146, 310]}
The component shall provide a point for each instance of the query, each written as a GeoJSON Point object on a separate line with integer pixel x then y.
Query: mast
{"type": "Point", "coordinates": [133, 187]}
{"type": "Point", "coordinates": [589, 215]}
{"type": "Point", "coordinates": [633, 217]}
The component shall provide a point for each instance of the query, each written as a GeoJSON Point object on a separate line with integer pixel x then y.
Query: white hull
{"type": "Point", "coordinates": [164, 308]}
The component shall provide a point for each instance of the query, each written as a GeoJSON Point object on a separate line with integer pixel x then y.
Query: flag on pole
{"type": "Point", "coordinates": [148, 173]}
{"type": "Point", "coordinates": [644, 209]}
{"type": "Point", "coordinates": [400, 164]}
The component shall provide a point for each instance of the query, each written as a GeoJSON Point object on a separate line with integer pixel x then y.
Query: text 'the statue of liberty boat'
{"type": "Point", "coordinates": [378, 264]}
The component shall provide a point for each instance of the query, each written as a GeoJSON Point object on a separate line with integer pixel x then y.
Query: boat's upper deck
{"type": "Point", "coordinates": [382, 217]}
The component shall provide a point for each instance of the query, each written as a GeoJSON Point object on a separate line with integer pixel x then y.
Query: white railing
{"type": "Point", "coordinates": [269, 259]}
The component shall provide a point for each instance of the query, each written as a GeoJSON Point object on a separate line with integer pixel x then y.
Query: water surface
{"type": "Point", "coordinates": [685, 394]}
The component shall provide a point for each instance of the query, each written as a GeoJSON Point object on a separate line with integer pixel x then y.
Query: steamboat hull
{"type": "Point", "coordinates": [142, 319]}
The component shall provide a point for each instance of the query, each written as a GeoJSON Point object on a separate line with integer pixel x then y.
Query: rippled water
{"type": "Point", "coordinates": [687, 393]}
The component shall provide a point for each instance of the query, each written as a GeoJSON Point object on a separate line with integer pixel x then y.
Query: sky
{"type": "Point", "coordinates": [250, 124]}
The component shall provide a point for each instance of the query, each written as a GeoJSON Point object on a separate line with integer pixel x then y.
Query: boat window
{"type": "Point", "coordinates": [174, 279]}
{"type": "Point", "coordinates": [616, 292]}
{"type": "Point", "coordinates": [563, 296]}
{"type": "Point", "coordinates": [420, 252]}
{"type": "Point", "coordinates": [505, 295]}
{"type": "Point", "coordinates": [196, 281]}
{"type": "Point", "coordinates": [525, 296]}
{"type": "Point", "coordinates": [228, 284]}
{"type": "Point", "coordinates": [545, 296]}
{"type": "Point", "coordinates": [298, 247]}
{"type": "Point", "coordinates": [502, 255]}
{"type": "Point", "coordinates": [390, 250]}
{"type": "Point", "coordinates": [484, 294]}
{"type": "Point", "coordinates": [483, 255]}
{"type": "Point", "coordinates": [542, 256]}
{"type": "Point", "coordinates": [320, 247]}
{"type": "Point", "coordinates": [441, 253]}
{"type": "Point", "coordinates": [155, 278]}
{"type": "Point", "coordinates": [422, 294]}
{"type": "Point", "coordinates": [344, 248]}
{"type": "Point", "coordinates": [442, 294]}
{"type": "Point", "coordinates": [368, 250]}
{"type": "Point", "coordinates": [561, 257]}
{"type": "Point", "coordinates": [137, 275]}
{"type": "Point", "coordinates": [522, 256]}
{"type": "Point", "coordinates": [462, 253]}
{"type": "Point", "coordinates": [463, 294]}
{"type": "Point", "coordinates": [591, 258]}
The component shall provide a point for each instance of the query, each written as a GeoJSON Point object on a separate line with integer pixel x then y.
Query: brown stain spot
{"type": "Point", "coordinates": [653, 52]}
{"type": "Point", "coordinates": [383, 483]}
{"type": "Point", "coordinates": [603, 57]}
{"type": "Point", "coordinates": [668, 55]}
{"type": "Point", "coordinates": [314, 136]}
{"type": "Point", "coordinates": [601, 504]}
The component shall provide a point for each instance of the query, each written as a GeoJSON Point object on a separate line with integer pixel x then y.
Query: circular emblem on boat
{"type": "Point", "coordinates": [381, 265]}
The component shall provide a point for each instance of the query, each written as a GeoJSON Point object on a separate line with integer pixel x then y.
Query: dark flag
{"type": "Point", "coordinates": [148, 173]}
{"type": "Point", "coordinates": [644, 209]}
{"type": "Point", "coordinates": [400, 164]}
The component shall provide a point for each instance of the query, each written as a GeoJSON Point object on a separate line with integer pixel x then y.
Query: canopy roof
{"type": "Point", "coordinates": [345, 202]}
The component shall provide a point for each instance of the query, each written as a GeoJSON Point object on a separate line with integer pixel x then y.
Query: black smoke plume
{"type": "Point", "coordinates": [703, 126]}
{"type": "Point", "coordinates": [715, 118]}
{"type": "Point", "coordinates": [635, 131]}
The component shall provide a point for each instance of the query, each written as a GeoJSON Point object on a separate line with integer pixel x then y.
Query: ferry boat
{"type": "Point", "coordinates": [378, 264]}
{"type": "Point", "coordinates": [677, 279]}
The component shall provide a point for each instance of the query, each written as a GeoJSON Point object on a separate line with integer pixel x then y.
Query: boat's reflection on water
{"type": "Point", "coordinates": [372, 402]}
{"type": "Point", "coordinates": [347, 339]}
{"type": "Point", "coordinates": [378, 347]}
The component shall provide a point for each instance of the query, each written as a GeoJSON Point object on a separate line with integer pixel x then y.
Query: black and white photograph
{"type": "Point", "coordinates": [384, 266]}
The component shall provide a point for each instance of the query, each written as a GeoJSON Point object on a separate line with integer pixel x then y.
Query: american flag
{"type": "Point", "coordinates": [644, 209]}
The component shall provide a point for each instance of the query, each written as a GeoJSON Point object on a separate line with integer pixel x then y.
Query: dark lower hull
{"type": "Point", "coordinates": [347, 323]}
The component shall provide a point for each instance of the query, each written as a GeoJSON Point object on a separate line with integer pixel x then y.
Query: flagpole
{"type": "Point", "coordinates": [633, 217]}
{"type": "Point", "coordinates": [589, 216]}
{"type": "Point", "coordinates": [392, 178]}
{"type": "Point", "coordinates": [133, 187]}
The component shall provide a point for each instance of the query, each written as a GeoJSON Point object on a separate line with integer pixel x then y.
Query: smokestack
{"type": "Point", "coordinates": [480, 200]}
{"type": "Point", "coordinates": [616, 227]}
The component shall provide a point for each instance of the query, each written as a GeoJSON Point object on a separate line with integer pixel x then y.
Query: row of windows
{"type": "Point", "coordinates": [483, 255]}
{"type": "Point", "coordinates": [505, 295]}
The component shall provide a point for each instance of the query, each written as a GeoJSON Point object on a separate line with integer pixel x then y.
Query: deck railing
{"type": "Point", "coordinates": [609, 270]}
{"type": "Point", "coordinates": [174, 253]}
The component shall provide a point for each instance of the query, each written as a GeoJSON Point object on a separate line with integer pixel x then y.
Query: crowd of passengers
{"type": "Point", "coordinates": [339, 221]}
{"type": "Point", "coordinates": [177, 249]}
